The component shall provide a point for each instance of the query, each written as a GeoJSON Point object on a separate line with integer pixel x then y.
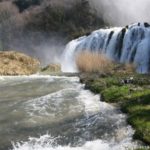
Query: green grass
{"type": "Point", "coordinates": [138, 108]}
{"type": "Point", "coordinates": [115, 93]}
{"type": "Point", "coordinates": [134, 98]}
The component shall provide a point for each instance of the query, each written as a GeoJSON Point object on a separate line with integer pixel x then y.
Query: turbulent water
{"type": "Point", "coordinates": [130, 44]}
{"type": "Point", "coordinates": [57, 113]}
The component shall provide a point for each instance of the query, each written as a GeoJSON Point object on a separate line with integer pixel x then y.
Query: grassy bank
{"type": "Point", "coordinates": [131, 92]}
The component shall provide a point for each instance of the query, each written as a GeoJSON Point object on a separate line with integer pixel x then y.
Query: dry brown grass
{"type": "Point", "coordinates": [130, 68]}
{"type": "Point", "coordinates": [14, 63]}
{"type": "Point", "coordinates": [93, 62]}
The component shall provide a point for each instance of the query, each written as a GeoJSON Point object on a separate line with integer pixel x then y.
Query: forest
{"type": "Point", "coordinates": [43, 19]}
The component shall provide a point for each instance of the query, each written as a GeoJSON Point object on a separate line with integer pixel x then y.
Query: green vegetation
{"type": "Point", "coordinates": [26, 23]}
{"type": "Point", "coordinates": [115, 93]}
{"type": "Point", "coordinates": [73, 21]}
{"type": "Point", "coordinates": [131, 92]}
{"type": "Point", "coordinates": [51, 68]}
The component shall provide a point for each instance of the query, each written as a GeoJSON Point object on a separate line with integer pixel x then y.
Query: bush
{"type": "Point", "coordinates": [93, 62]}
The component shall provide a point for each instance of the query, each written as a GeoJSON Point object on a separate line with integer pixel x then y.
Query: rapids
{"type": "Point", "coordinates": [57, 113]}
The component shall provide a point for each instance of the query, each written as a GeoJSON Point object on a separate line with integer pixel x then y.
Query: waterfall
{"type": "Point", "coordinates": [130, 44]}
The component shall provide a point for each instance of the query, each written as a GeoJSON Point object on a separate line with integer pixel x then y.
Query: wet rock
{"type": "Point", "coordinates": [127, 80]}
{"type": "Point", "coordinates": [146, 25]}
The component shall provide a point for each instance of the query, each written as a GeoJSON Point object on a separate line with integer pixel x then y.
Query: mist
{"type": "Point", "coordinates": [20, 31]}
{"type": "Point", "coordinates": [46, 48]}
{"type": "Point", "coordinates": [122, 12]}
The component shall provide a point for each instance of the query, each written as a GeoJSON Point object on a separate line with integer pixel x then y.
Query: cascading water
{"type": "Point", "coordinates": [57, 113]}
{"type": "Point", "coordinates": [130, 44]}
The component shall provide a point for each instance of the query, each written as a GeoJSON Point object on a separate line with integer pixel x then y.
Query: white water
{"type": "Point", "coordinates": [46, 142]}
{"type": "Point", "coordinates": [67, 116]}
{"type": "Point", "coordinates": [126, 45]}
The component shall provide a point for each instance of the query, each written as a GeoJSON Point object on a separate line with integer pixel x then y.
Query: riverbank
{"type": "Point", "coordinates": [128, 90]}
{"type": "Point", "coordinates": [131, 92]}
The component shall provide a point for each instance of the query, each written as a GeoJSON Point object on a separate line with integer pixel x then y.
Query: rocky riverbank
{"type": "Point", "coordinates": [131, 92]}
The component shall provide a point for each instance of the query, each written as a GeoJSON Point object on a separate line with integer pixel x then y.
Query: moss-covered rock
{"type": "Point", "coordinates": [51, 68]}
{"type": "Point", "coordinates": [15, 63]}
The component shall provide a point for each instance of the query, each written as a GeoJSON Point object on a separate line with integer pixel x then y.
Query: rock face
{"type": "Point", "coordinates": [15, 63]}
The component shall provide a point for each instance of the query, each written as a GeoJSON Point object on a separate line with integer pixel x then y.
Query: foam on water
{"type": "Point", "coordinates": [37, 76]}
{"type": "Point", "coordinates": [83, 100]}
{"type": "Point", "coordinates": [75, 118]}
{"type": "Point", "coordinates": [46, 142]}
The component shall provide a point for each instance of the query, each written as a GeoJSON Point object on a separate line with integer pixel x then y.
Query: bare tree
{"type": "Point", "coordinates": [9, 16]}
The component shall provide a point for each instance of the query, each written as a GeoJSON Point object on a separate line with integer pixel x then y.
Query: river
{"type": "Point", "coordinates": [56, 113]}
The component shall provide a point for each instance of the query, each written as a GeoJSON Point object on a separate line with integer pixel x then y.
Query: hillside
{"type": "Point", "coordinates": [24, 24]}
{"type": "Point", "coordinates": [14, 63]}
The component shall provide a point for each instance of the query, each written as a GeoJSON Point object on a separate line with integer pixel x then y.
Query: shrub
{"type": "Point", "coordinates": [93, 62]}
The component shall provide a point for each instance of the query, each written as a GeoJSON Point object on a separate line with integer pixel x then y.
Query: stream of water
{"type": "Point", "coordinates": [57, 113]}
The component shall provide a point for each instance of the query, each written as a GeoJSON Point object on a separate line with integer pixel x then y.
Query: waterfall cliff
{"type": "Point", "coordinates": [130, 44]}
